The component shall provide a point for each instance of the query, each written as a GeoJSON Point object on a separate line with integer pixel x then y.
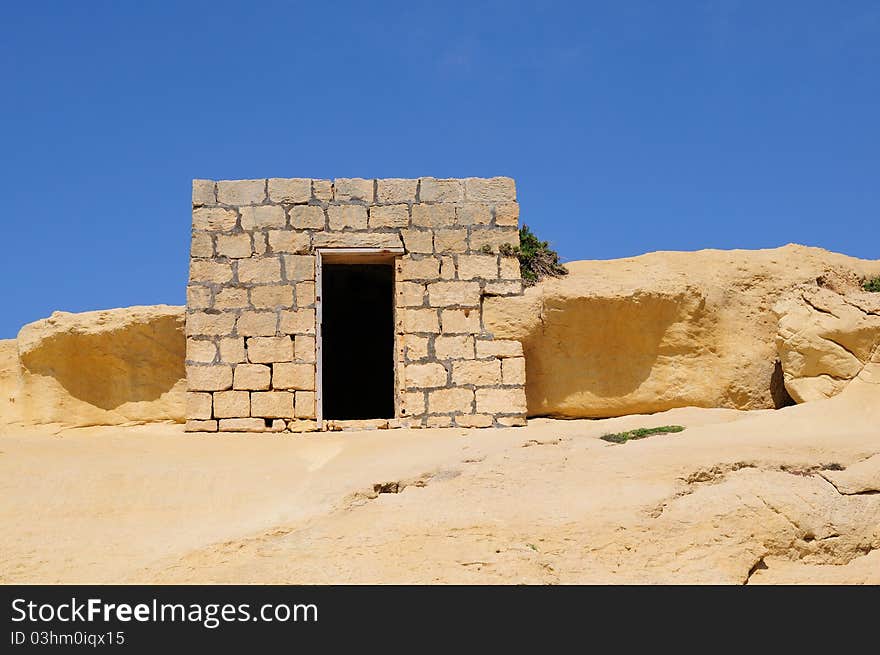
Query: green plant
{"type": "Point", "coordinates": [486, 249]}
{"type": "Point", "coordinates": [536, 259]}
{"type": "Point", "coordinates": [640, 433]}
{"type": "Point", "coordinates": [872, 284]}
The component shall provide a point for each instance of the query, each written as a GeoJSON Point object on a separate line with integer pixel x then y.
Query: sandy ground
{"type": "Point", "coordinates": [758, 497]}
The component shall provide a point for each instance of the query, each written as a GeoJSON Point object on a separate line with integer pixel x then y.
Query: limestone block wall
{"type": "Point", "coordinates": [251, 300]}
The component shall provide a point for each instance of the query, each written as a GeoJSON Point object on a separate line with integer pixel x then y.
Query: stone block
{"type": "Point", "coordinates": [261, 218]}
{"type": "Point", "coordinates": [260, 270]}
{"type": "Point", "coordinates": [418, 269]}
{"type": "Point", "coordinates": [415, 348]}
{"type": "Point", "coordinates": [288, 241]}
{"type": "Point", "coordinates": [199, 406]}
{"type": "Point", "coordinates": [510, 268]}
{"type": "Point", "coordinates": [493, 189]}
{"type": "Point", "coordinates": [356, 240]}
{"type": "Point", "coordinates": [267, 350]}
{"type": "Point", "coordinates": [389, 216]}
{"type": "Point", "coordinates": [243, 425]}
{"type": "Point", "coordinates": [503, 288]}
{"type": "Point", "coordinates": [202, 245]}
{"type": "Point", "coordinates": [433, 215]}
{"type": "Point", "coordinates": [410, 294]}
{"type": "Point", "coordinates": [450, 241]}
{"type": "Point", "coordinates": [304, 349]}
{"type": "Point", "coordinates": [232, 298]}
{"type": "Point", "coordinates": [447, 268]}
{"type": "Point", "coordinates": [254, 377]}
{"type": "Point", "coordinates": [203, 193]}
{"type": "Point", "coordinates": [217, 219]}
{"type": "Point", "coordinates": [322, 190]}
{"type": "Point", "coordinates": [305, 405]}
{"type": "Point", "coordinates": [418, 241]}
{"type": "Point", "coordinates": [454, 347]}
{"type": "Point", "coordinates": [512, 421]}
{"type": "Point", "coordinates": [198, 297]}
{"type": "Point", "coordinates": [256, 324]}
{"type": "Point", "coordinates": [299, 267]}
{"type": "Point", "coordinates": [473, 213]}
{"type": "Point", "coordinates": [471, 267]}
{"type": "Point", "coordinates": [260, 243]}
{"type": "Point", "coordinates": [235, 246]}
{"type": "Point", "coordinates": [443, 190]}
{"type": "Point", "coordinates": [241, 192]}
{"type": "Point", "coordinates": [212, 377]}
{"type": "Point", "coordinates": [347, 189]}
{"type": "Point", "coordinates": [286, 375]}
{"type": "Point", "coordinates": [207, 270]}
{"type": "Point", "coordinates": [460, 321]}
{"type": "Point", "coordinates": [473, 421]}
{"type": "Point", "coordinates": [307, 217]}
{"type": "Point", "coordinates": [513, 370]}
{"type": "Point", "coordinates": [275, 296]}
{"type": "Point", "coordinates": [498, 348]}
{"type": "Point", "coordinates": [341, 217]}
{"type": "Point", "coordinates": [272, 404]}
{"type": "Point", "coordinates": [477, 372]}
{"type": "Point", "coordinates": [439, 421]}
{"type": "Point", "coordinates": [493, 238]}
{"type": "Point", "coordinates": [200, 426]}
{"type": "Point", "coordinates": [446, 294]}
{"type": "Point", "coordinates": [200, 351]}
{"type": "Point", "coordinates": [305, 294]}
{"type": "Point", "coordinates": [300, 321]}
{"type": "Point", "coordinates": [501, 401]}
{"type": "Point", "coordinates": [211, 325]}
{"type": "Point", "coordinates": [420, 320]}
{"type": "Point", "coordinates": [290, 190]}
{"type": "Point", "coordinates": [445, 401]}
{"type": "Point", "coordinates": [232, 404]}
{"type": "Point", "coordinates": [413, 403]}
{"type": "Point", "coordinates": [507, 214]}
{"type": "Point", "coordinates": [421, 376]}
{"type": "Point", "coordinates": [396, 190]}
{"type": "Point", "coordinates": [232, 350]}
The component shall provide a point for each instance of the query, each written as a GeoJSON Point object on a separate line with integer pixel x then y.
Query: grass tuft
{"type": "Point", "coordinates": [640, 433]}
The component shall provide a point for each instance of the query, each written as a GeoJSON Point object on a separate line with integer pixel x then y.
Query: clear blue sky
{"type": "Point", "coordinates": [629, 126]}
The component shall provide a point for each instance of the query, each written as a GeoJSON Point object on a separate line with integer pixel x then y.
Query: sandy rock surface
{"type": "Point", "coordinates": [95, 368]}
{"type": "Point", "coordinates": [759, 497]}
{"type": "Point", "coordinates": [664, 330]}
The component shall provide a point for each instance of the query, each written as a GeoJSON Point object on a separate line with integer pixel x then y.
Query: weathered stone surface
{"type": "Point", "coordinates": [305, 294]}
{"type": "Point", "coordinates": [389, 216]}
{"type": "Point", "coordinates": [474, 213]}
{"type": "Point", "coordinates": [214, 218]}
{"type": "Point", "coordinates": [232, 350]}
{"type": "Point", "coordinates": [458, 321]}
{"type": "Point", "coordinates": [254, 377]}
{"type": "Point", "coordinates": [418, 269]}
{"type": "Point", "coordinates": [260, 270]}
{"type": "Point", "coordinates": [474, 420]}
{"type": "Point", "coordinates": [232, 404]}
{"type": "Point", "coordinates": [420, 320]}
{"type": "Point", "coordinates": [396, 190]}
{"type": "Point", "coordinates": [493, 238]}
{"type": "Point", "coordinates": [347, 216]}
{"type": "Point", "coordinates": [290, 190]}
{"type": "Point", "coordinates": [260, 218]}
{"type": "Point", "coordinates": [211, 377]}
{"type": "Point", "coordinates": [257, 324]}
{"type": "Point", "coordinates": [304, 348]}
{"type": "Point", "coordinates": [413, 403]}
{"type": "Point", "coordinates": [236, 246]}
{"type": "Point", "coordinates": [201, 323]}
{"type": "Point", "coordinates": [266, 350]}
{"type": "Point", "coordinates": [203, 193]}
{"type": "Point", "coordinates": [200, 426]}
{"type": "Point", "coordinates": [242, 425]}
{"type": "Point", "coordinates": [446, 294]}
{"type": "Point", "coordinates": [471, 267]}
{"type": "Point", "coordinates": [501, 401]}
{"type": "Point", "coordinates": [293, 376]}
{"type": "Point", "coordinates": [322, 190]}
{"type": "Point", "coordinates": [418, 241]}
{"type": "Point", "coordinates": [513, 370]}
{"type": "Point", "coordinates": [494, 189]}
{"type": "Point", "coordinates": [477, 372]}
{"type": "Point", "coordinates": [507, 214]}
{"type": "Point", "coordinates": [433, 215]}
{"type": "Point", "coordinates": [444, 401]}
{"type": "Point", "coordinates": [353, 188]}
{"type": "Point", "coordinates": [416, 348]}
{"type": "Point", "coordinates": [198, 297]}
{"type": "Point", "coordinates": [241, 192]}
{"type": "Point", "coordinates": [288, 241]}
{"type": "Point", "coordinates": [206, 270]}
{"type": "Point", "coordinates": [232, 298]}
{"type": "Point", "coordinates": [454, 347]}
{"type": "Point", "coordinates": [199, 405]}
{"type": "Point", "coordinates": [272, 404]}
{"type": "Point", "coordinates": [301, 321]}
{"type": "Point", "coordinates": [305, 405]}
{"type": "Point", "coordinates": [299, 267]}
{"type": "Point", "coordinates": [304, 217]}
{"type": "Point", "coordinates": [202, 245]}
{"type": "Point", "coordinates": [498, 348]}
{"type": "Point", "coordinates": [450, 241]}
{"type": "Point", "coordinates": [275, 296]}
{"type": "Point", "coordinates": [356, 240]}
{"type": "Point", "coordinates": [200, 351]}
{"type": "Point", "coordinates": [410, 294]}
{"type": "Point", "coordinates": [425, 375]}
{"type": "Point", "coordinates": [442, 190]}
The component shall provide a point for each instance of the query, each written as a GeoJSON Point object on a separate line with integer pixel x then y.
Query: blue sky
{"type": "Point", "coordinates": [629, 126]}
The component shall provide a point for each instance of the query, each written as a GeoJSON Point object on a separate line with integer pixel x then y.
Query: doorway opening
{"type": "Point", "coordinates": [356, 378]}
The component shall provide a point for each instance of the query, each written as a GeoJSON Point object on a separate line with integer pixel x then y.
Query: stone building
{"type": "Point", "coordinates": [323, 305]}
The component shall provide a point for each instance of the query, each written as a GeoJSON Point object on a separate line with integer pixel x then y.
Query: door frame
{"type": "Point", "coordinates": [348, 256]}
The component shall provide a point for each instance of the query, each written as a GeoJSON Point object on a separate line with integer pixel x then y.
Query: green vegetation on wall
{"type": "Point", "coordinates": [536, 259]}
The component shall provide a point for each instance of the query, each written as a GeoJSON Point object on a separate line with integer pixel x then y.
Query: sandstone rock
{"type": "Point", "coordinates": [96, 368]}
{"type": "Point", "coordinates": [663, 330]}
{"type": "Point", "coordinates": [826, 338]}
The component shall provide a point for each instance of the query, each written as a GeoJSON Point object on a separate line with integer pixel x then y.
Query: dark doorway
{"type": "Point", "coordinates": [357, 348]}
